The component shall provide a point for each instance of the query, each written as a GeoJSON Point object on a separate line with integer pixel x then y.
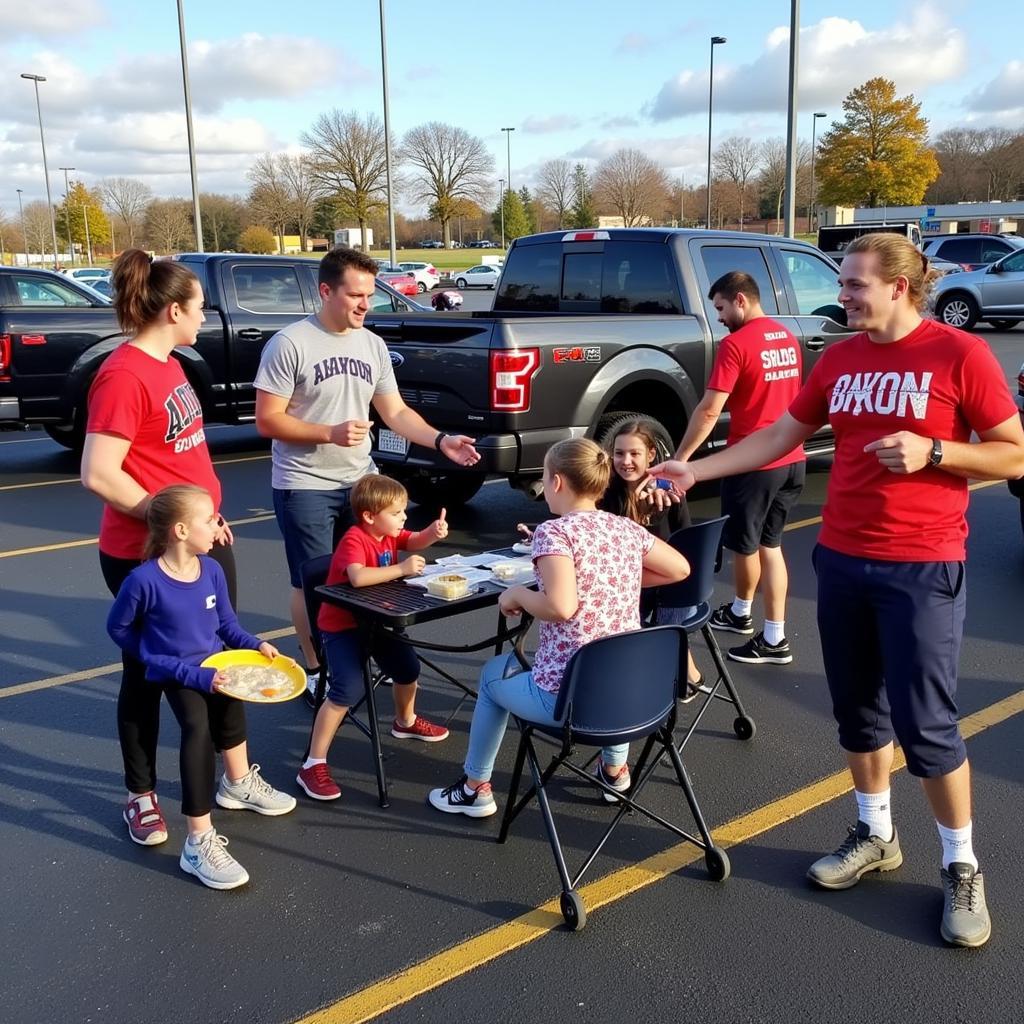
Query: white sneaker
{"type": "Point", "coordinates": [211, 863]}
{"type": "Point", "coordinates": [253, 793]}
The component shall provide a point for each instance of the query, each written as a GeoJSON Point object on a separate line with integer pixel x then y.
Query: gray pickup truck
{"type": "Point", "coordinates": [589, 328]}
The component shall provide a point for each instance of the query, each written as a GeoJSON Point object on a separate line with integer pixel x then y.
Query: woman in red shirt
{"type": "Point", "coordinates": [903, 397]}
{"type": "Point", "coordinates": [144, 433]}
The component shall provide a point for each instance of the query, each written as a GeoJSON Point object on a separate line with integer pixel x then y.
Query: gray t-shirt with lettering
{"type": "Point", "coordinates": [327, 378]}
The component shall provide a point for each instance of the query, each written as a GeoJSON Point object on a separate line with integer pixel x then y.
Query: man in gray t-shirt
{"type": "Point", "coordinates": [314, 388]}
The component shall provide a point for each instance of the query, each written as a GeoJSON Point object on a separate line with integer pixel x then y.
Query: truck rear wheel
{"type": "Point", "coordinates": [434, 491]}
{"type": "Point", "coordinates": [609, 425]}
{"type": "Point", "coordinates": [69, 435]}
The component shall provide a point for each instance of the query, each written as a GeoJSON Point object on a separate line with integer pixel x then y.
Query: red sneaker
{"type": "Point", "coordinates": [421, 729]}
{"type": "Point", "coordinates": [317, 782]}
{"type": "Point", "coordinates": [145, 822]}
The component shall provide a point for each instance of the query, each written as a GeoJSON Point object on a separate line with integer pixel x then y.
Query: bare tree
{"type": "Point", "coordinates": [222, 220]}
{"type": "Point", "coordinates": [348, 164]}
{"type": "Point", "coordinates": [37, 227]}
{"type": "Point", "coordinates": [270, 198]}
{"type": "Point", "coordinates": [633, 185]}
{"type": "Point", "coordinates": [736, 160]}
{"type": "Point", "coordinates": [168, 224]}
{"type": "Point", "coordinates": [447, 164]}
{"type": "Point", "coordinates": [297, 172]}
{"type": "Point", "coordinates": [128, 198]}
{"type": "Point", "coordinates": [555, 189]}
{"type": "Point", "coordinates": [1003, 162]}
{"type": "Point", "coordinates": [957, 150]}
{"type": "Point", "coordinates": [771, 180]}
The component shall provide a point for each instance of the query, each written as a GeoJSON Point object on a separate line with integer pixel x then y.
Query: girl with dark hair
{"type": "Point", "coordinates": [171, 613]}
{"type": "Point", "coordinates": [145, 432]}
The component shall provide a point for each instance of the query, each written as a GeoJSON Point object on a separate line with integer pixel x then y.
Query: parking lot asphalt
{"type": "Point", "coordinates": [357, 913]}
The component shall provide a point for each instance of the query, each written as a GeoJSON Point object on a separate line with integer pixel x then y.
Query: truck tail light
{"type": "Point", "coordinates": [512, 373]}
{"type": "Point", "coordinates": [5, 357]}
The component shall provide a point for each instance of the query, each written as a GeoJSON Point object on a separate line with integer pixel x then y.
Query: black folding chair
{"type": "Point", "coordinates": [615, 690]}
{"type": "Point", "coordinates": [314, 574]}
{"type": "Point", "coordinates": [700, 544]}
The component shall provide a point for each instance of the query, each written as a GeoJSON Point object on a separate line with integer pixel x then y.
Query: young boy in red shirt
{"type": "Point", "coordinates": [368, 554]}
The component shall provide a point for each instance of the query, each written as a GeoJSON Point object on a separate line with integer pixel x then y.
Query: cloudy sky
{"type": "Point", "coordinates": [576, 78]}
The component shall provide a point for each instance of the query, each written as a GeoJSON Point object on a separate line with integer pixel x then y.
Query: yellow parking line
{"type": "Point", "coordinates": [437, 970]}
{"type": "Point", "coordinates": [75, 479]}
{"type": "Point", "coordinates": [103, 670]}
{"type": "Point", "coordinates": [94, 540]}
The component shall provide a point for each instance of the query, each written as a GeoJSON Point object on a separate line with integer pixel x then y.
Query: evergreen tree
{"type": "Point", "coordinates": [528, 209]}
{"type": "Point", "coordinates": [583, 213]}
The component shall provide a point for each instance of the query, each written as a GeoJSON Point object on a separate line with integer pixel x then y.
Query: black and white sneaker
{"type": "Point", "coordinates": [724, 618]}
{"type": "Point", "coordinates": [458, 799]}
{"type": "Point", "coordinates": [757, 651]}
{"type": "Point", "coordinates": [312, 678]}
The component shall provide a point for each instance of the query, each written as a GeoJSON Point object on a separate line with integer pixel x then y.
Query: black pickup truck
{"type": "Point", "coordinates": [589, 328]}
{"type": "Point", "coordinates": [54, 334]}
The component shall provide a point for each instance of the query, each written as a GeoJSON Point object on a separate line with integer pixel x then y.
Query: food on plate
{"type": "Point", "coordinates": [255, 682]}
{"type": "Point", "coordinates": [512, 570]}
{"type": "Point", "coordinates": [449, 586]}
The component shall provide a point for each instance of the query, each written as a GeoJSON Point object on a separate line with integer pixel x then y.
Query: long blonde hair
{"type": "Point", "coordinates": [584, 464]}
{"type": "Point", "coordinates": [168, 507]}
{"type": "Point", "coordinates": [899, 257]}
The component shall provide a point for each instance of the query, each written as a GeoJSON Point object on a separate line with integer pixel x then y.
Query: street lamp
{"type": "Point", "coordinates": [188, 126]}
{"type": "Point", "coordinates": [46, 172]}
{"type": "Point", "coordinates": [387, 136]}
{"type": "Point", "coordinates": [508, 153]}
{"type": "Point", "coordinates": [810, 209]}
{"type": "Point", "coordinates": [24, 233]}
{"type": "Point", "coordinates": [88, 240]}
{"type": "Point", "coordinates": [501, 206]}
{"type": "Point", "coordinates": [715, 41]}
{"type": "Point", "coordinates": [67, 212]}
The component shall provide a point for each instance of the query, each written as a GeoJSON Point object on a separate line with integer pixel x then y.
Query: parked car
{"type": "Point", "coordinates": [87, 274]}
{"type": "Point", "coordinates": [401, 280]}
{"type": "Point", "coordinates": [482, 276]}
{"type": "Point", "coordinates": [589, 329]}
{"type": "Point", "coordinates": [55, 332]}
{"type": "Point", "coordinates": [431, 244]}
{"type": "Point", "coordinates": [971, 251]}
{"type": "Point", "coordinates": [944, 266]}
{"type": "Point", "coordinates": [426, 274]}
{"type": "Point", "coordinates": [484, 243]}
{"type": "Point", "coordinates": [994, 294]}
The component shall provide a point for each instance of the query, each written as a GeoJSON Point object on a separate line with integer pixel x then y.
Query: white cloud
{"type": "Point", "coordinates": [621, 121]}
{"type": "Point", "coordinates": [165, 134]}
{"type": "Point", "coordinates": [681, 152]}
{"type": "Point", "coordinates": [836, 55]}
{"type": "Point", "coordinates": [1004, 93]}
{"type": "Point", "coordinates": [50, 17]}
{"type": "Point", "coordinates": [551, 123]}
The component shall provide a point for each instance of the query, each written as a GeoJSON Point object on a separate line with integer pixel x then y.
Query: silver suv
{"type": "Point", "coordinates": [971, 251]}
{"type": "Point", "coordinates": [994, 294]}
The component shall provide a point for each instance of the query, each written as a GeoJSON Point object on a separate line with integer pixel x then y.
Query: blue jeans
{"type": "Point", "coordinates": [311, 523]}
{"type": "Point", "coordinates": [521, 696]}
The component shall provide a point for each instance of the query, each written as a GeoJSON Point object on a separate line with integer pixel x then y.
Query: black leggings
{"type": "Point", "coordinates": [209, 722]}
{"type": "Point", "coordinates": [138, 702]}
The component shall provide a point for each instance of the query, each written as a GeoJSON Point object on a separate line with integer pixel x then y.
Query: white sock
{"type": "Point", "coordinates": [196, 839]}
{"type": "Point", "coordinates": [956, 845]}
{"type": "Point", "coordinates": [774, 632]}
{"type": "Point", "coordinates": [741, 608]}
{"type": "Point", "coordinates": [875, 810]}
{"type": "Point", "coordinates": [310, 761]}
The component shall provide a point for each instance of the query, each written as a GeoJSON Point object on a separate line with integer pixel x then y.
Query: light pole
{"type": "Point", "coordinates": [24, 234]}
{"type": "Point", "coordinates": [67, 212]}
{"type": "Point", "coordinates": [501, 206]}
{"type": "Point", "coordinates": [88, 240]}
{"type": "Point", "coordinates": [508, 154]}
{"type": "Point", "coordinates": [791, 125]}
{"type": "Point", "coordinates": [810, 209]}
{"type": "Point", "coordinates": [46, 171]}
{"type": "Point", "coordinates": [715, 41]}
{"type": "Point", "coordinates": [188, 127]}
{"type": "Point", "coordinates": [387, 134]}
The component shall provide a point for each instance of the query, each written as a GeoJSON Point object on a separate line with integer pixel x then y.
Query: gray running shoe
{"type": "Point", "coordinates": [965, 920]}
{"type": "Point", "coordinates": [211, 863]}
{"type": "Point", "coordinates": [859, 853]}
{"type": "Point", "coordinates": [253, 793]}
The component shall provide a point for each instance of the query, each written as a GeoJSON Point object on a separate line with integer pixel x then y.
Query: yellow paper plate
{"type": "Point", "coordinates": [296, 677]}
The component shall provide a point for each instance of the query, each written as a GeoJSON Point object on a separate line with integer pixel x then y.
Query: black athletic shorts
{"type": "Point", "coordinates": [758, 505]}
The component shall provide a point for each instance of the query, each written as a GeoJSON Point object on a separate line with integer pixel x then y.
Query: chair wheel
{"type": "Point", "coordinates": [573, 911]}
{"type": "Point", "coordinates": [744, 727]}
{"type": "Point", "coordinates": [717, 862]}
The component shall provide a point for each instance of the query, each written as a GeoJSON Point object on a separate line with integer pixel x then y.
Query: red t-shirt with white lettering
{"type": "Point", "coordinates": [759, 368]}
{"type": "Point", "coordinates": [937, 382]}
{"type": "Point", "coordinates": [150, 403]}
{"type": "Point", "coordinates": [357, 547]}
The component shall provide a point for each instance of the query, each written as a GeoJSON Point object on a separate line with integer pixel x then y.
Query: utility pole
{"type": "Point", "coordinates": [794, 61]}
{"type": "Point", "coordinates": [67, 212]}
{"type": "Point", "coordinates": [188, 126]}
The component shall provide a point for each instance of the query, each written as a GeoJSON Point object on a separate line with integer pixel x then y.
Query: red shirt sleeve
{"type": "Point", "coordinates": [403, 540]}
{"type": "Point", "coordinates": [351, 549]}
{"type": "Point", "coordinates": [811, 405]}
{"type": "Point", "coordinates": [985, 398]}
{"type": "Point", "coordinates": [118, 404]}
{"type": "Point", "coordinates": [727, 368]}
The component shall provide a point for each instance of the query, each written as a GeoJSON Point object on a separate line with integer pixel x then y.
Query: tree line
{"type": "Point", "coordinates": [878, 153]}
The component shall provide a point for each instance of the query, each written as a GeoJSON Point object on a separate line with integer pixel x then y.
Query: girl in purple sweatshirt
{"type": "Point", "coordinates": [171, 613]}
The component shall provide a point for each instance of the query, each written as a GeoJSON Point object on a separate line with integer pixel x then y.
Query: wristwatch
{"type": "Point", "coordinates": [441, 435]}
{"type": "Point", "coordinates": [936, 453]}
